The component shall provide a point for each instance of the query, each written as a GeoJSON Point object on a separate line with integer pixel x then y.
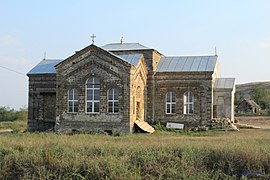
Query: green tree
{"type": "Point", "coordinates": [238, 97]}
{"type": "Point", "coordinates": [8, 114]}
{"type": "Point", "coordinates": [260, 95]}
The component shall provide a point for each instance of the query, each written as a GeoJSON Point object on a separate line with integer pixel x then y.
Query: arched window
{"type": "Point", "coordinates": [92, 95]}
{"type": "Point", "coordinates": [73, 100]}
{"type": "Point", "coordinates": [170, 103]}
{"type": "Point", "coordinates": [188, 103]}
{"type": "Point", "coordinates": [113, 101]}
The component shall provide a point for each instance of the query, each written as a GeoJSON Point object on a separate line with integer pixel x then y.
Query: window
{"type": "Point", "coordinates": [73, 100]}
{"type": "Point", "coordinates": [170, 103]}
{"type": "Point", "coordinates": [92, 95]}
{"type": "Point", "coordinates": [188, 103]}
{"type": "Point", "coordinates": [113, 101]}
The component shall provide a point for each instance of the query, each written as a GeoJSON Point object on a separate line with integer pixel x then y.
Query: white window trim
{"type": "Point", "coordinates": [72, 100]}
{"type": "Point", "coordinates": [93, 94]}
{"type": "Point", "coordinates": [187, 103]}
{"type": "Point", "coordinates": [112, 101]}
{"type": "Point", "coordinates": [170, 103]}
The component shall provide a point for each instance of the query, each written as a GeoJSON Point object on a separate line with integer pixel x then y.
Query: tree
{"type": "Point", "coordinates": [238, 97]}
{"type": "Point", "coordinates": [260, 95]}
{"type": "Point", "coordinates": [8, 114]}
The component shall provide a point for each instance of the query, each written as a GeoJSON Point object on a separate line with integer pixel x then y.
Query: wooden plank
{"type": "Point", "coordinates": [145, 126]}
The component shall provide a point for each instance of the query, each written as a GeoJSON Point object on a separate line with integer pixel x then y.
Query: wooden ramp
{"type": "Point", "coordinates": [6, 131]}
{"type": "Point", "coordinates": [145, 126]}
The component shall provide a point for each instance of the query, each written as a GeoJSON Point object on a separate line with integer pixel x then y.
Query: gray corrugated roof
{"type": "Point", "coordinates": [224, 83]}
{"type": "Point", "coordinates": [124, 46]}
{"type": "Point", "coordinates": [187, 64]}
{"type": "Point", "coordinates": [46, 66]}
{"type": "Point", "coordinates": [131, 58]}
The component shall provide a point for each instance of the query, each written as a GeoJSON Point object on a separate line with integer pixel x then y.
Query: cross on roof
{"type": "Point", "coordinates": [93, 38]}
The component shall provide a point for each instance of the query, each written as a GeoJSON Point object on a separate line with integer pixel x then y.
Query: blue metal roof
{"type": "Point", "coordinates": [131, 58]}
{"type": "Point", "coordinates": [187, 64]}
{"type": "Point", "coordinates": [46, 66]}
{"type": "Point", "coordinates": [124, 46]}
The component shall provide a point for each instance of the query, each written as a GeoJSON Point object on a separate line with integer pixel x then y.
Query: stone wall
{"type": "Point", "coordinates": [138, 93]}
{"type": "Point", "coordinates": [112, 73]}
{"type": "Point", "coordinates": [41, 102]}
{"type": "Point", "coordinates": [200, 84]}
{"type": "Point", "coordinates": [151, 58]}
{"type": "Point", "coordinates": [224, 103]}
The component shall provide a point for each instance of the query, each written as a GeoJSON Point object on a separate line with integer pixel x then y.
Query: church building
{"type": "Point", "coordinates": [118, 85]}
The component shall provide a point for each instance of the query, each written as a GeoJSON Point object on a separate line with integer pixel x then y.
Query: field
{"type": "Point", "coordinates": [162, 155]}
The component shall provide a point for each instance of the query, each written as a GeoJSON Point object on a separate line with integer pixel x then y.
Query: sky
{"type": "Point", "coordinates": [239, 29]}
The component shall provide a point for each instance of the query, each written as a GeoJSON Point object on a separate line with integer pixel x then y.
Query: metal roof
{"type": "Point", "coordinates": [46, 66]}
{"type": "Point", "coordinates": [124, 46]}
{"type": "Point", "coordinates": [131, 58]}
{"type": "Point", "coordinates": [187, 64]}
{"type": "Point", "coordinates": [224, 83]}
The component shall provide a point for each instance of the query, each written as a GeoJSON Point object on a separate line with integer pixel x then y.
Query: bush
{"type": "Point", "coordinates": [8, 114]}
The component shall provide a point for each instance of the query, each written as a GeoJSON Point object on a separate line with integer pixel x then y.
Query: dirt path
{"type": "Point", "coordinates": [261, 121]}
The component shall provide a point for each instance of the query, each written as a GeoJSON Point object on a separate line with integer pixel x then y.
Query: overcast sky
{"type": "Point", "coordinates": [240, 29]}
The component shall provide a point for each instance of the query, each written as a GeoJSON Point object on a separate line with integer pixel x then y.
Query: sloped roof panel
{"type": "Point", "coordinates": [124, 46]}
{"type": "Point", "coordinates": [224, 83]}
{"type": "Point", "coordinates": [46, 66]}
{"type": "Point", "coordinates": [131, 58]}
{"type": "Point", "coordinates": [187, 64]}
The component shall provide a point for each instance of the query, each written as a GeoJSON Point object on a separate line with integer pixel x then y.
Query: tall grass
{"type": "Point", "coordinates": [162, 155]}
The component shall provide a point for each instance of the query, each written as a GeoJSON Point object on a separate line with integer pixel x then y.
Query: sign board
{"type": "Point", "coordinates": [175, 125]}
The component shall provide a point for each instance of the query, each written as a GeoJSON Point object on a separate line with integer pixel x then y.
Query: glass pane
{"type": "Point", "coordinates": [173, 108]}
{"type": "Point", "coordinates": [185, 109]}
{"type": "Point", "coordinates": [115, 94]}
{"type": "Point", "coordinates": [116, 109]}
{"type": "Point", "coordinates": [89, 106]}
{"type": "Point", "coordinates": [173, 97]}
{"type": "Point", "coordinates": [89, 94]}
{"type": "Point", "coordinates": [111, 94]}
{"type": "Point", "coordinates": [110, 107]}
{"type": "Point", "coordinates": [185, 98]}
{"type": "Point", "coordinates": [76, 96]}
{"type": "Point", "coordinates": [96, 83]}
{"type": "Point", "coordinates": [96, 95]}
{"type": "Point", "coordinates": [96, 106]}
{"type": "Point", "coordinates": [76, 106]}
{"type": "Point", "coordinates": [97, 86]}
{"type": "Point", "coordinates": [168, 108]}
{"type": "Point", "coordinates": [70, 94]}
{"type": "Point", "coordinates": [190, 108]}
{"type": "Point", "coordinates": [89, 83]}
{"type": "Point", "coordinates": [168, 97]}
{"type": "Point", "coordinates": [190, 97]}
{"type": "Point", "coordinates": [70, 106]}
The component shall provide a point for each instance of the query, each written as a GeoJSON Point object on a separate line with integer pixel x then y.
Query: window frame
{"type": "Point", "coordinates": [73, 100]}
{"type": "Point", "coordinates": [170, 103]}
{"type": "Point", "coordinates": [113, 100]}
{"type": "Point", "coordinates": [92, 81]}
{"type": "Point", "coordinates": [187, 103]}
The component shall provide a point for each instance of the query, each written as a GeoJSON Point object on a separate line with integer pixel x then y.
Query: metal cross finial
{"type": "Point", "coordinates": [122, 40]}
{"type": "Point", "coordinates": [215, 51]}
{"type": "Point", "coordinates": [93, 38]}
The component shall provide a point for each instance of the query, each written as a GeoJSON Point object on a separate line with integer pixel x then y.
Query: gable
{"type": "Point", "coordinates": [91, 50]}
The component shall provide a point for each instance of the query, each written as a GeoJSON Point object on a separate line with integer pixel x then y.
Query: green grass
{"type": "Point", "coordinates": [16, 126]}
{"type": "Point", "coordinates": [162, 155]}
